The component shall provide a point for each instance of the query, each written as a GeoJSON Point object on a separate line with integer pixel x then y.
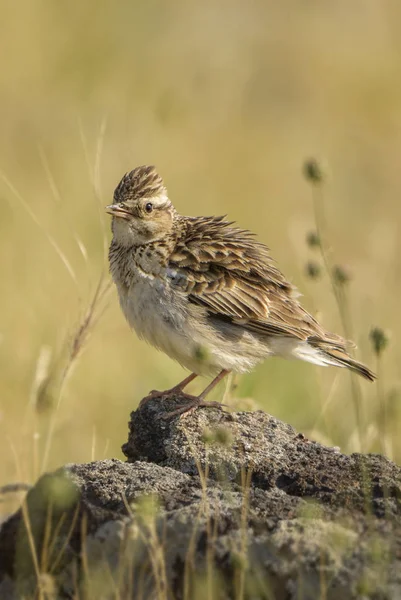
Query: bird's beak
{"type": "Point", "coordinates": [117, 211]}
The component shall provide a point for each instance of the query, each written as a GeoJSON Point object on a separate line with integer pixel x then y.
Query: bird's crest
{"type": "Point", "coordinates": [142, 182]}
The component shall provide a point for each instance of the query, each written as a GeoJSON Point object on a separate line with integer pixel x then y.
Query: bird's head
{"type": "Point", "coordinates": [141, 209]}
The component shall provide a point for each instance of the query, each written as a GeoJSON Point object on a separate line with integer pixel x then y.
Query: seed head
{"type": "Point", "coordinates": [223, 436]}
{"type": "Point", "coordinates": [313, 269]}
{"type": "Point", "coordinates": [313, 171]}
{"type": "Point", "coordinates": [313, 239]}
{"type": "Point", "coordinates": [341, 275]}
{"type": "Point", "coordinates": [208, 436]}
{"type": "Point", "coordinates": [379, 340]}
{"type": "Point", "coordinates": [201, 353]}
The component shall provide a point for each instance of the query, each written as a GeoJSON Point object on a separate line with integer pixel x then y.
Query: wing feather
{"type": "Point", "coordinates": [233, 276]}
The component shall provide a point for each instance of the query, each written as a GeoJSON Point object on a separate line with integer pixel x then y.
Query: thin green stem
{"type": "Point", "coordinates": [381, 401]}
{"type": "Point", "coordinates": [340, 296]}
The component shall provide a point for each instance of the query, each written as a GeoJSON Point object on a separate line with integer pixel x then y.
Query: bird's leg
{"type": "Point", "coordinates": [177, 389]}
{"type": "Point", "coordinates": [209, 388]}
{"type": "Point", "coordinates": [197, 401]}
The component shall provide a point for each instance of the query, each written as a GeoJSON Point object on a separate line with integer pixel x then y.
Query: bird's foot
{"type": "Point", "coordinates": [193, 402]}
{"type": "Point", "coordinates": [151, 396]}
{"type": "Point", "coordinates": [174, 391]}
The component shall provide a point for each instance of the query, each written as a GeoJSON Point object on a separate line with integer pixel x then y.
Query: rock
{"type": "Point", "coordinates": [278, 457]}
{"type": "Point", "coordinates": [237, 504]}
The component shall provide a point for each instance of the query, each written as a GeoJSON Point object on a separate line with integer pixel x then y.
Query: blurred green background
{"type": "Point", "coordinates": [227, 99]}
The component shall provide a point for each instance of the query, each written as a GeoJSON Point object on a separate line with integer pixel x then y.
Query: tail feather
{"type": "Point", "coordinates": [338, 356]}
{"type": "Point", "coordinates": [354, 365]}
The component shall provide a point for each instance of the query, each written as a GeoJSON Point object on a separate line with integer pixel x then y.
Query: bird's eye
{"type": "Point", "coordinates": [149, 207]}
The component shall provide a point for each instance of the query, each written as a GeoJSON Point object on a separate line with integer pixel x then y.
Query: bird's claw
{"type": "Point", "coordinates": [187, 408]}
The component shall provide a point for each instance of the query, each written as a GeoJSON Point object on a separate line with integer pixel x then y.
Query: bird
{"type": "Point", "coordinates": [207, 292]}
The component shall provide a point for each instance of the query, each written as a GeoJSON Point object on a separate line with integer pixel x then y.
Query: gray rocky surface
{"type": "Point", "coordinates": [212, 505]}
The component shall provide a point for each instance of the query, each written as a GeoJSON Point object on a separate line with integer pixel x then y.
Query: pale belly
{"type": "Point", "coordinates": [159, 316]}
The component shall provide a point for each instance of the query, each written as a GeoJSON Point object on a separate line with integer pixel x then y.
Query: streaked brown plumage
{"type": "Point", "coordinates": [205, 291]}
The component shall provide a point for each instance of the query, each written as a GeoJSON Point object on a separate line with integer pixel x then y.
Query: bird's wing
{"type": "Point", "coordinates": [224, 269]}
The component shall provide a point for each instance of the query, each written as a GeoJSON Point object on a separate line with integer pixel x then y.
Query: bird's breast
{"type": "Point", "coordinates": [158, 314]}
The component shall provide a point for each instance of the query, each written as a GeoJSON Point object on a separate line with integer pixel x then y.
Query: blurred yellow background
{"type": "Point", "coordinates": [227, 99]}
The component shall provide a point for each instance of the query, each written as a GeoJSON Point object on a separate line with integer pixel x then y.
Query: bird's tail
{"type": "Point", "coordinates": [337, 355]}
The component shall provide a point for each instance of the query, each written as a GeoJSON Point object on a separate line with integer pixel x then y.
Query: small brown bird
{"type": "Point", "coordinates": [206, 292]}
